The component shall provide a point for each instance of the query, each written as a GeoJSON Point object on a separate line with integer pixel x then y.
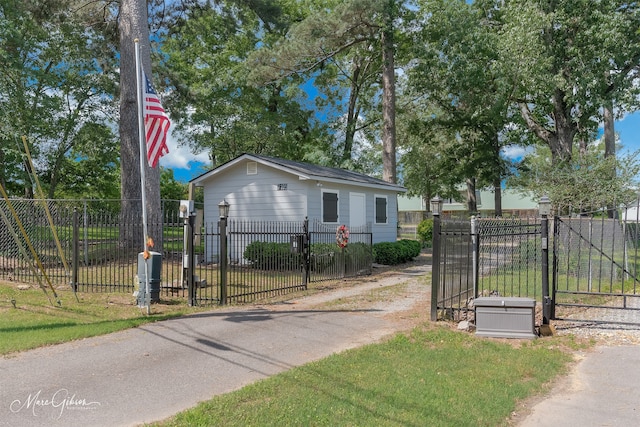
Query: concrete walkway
{"type": "Point", "coordinates": [602, 390]}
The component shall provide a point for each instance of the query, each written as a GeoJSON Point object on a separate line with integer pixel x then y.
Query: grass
{"type": "Point", "coordinates": [35, 322]}
{"type": "Point", "coordinates": [431, 376]}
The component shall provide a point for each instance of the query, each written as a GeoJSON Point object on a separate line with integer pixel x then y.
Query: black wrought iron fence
{"type": "Point", "coordinates": [481, 257]}
{"type": "Point", "coordinates": [101, 246]}
{"type": "Point", "coordinates": [327, 261]}
{"type": "Point", "coordinates": [509, 257]}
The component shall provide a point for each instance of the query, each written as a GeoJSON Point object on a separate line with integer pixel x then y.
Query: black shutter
{"type": "Point", "coordinates": [329, 207]}
{"type": "Point", "coordinates": [381, 210]}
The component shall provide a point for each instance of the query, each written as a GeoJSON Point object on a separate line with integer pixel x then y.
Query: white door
{"type": "Point", "coordinates": [357, 210]}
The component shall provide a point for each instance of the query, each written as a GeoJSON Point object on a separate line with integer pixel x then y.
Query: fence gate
{"type": "Point", "coordinates": [483, 257]}
{"type": "Point", "coordinates": [595, 274]}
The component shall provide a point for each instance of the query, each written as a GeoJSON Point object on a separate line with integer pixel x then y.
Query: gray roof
{"type": "Point", "coordinates": [309, 171]}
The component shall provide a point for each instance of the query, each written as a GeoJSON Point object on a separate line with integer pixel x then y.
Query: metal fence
{"type": "Point", "coordinates": [100, 247]}
{"type": "Point", "coordinates": [329, 262]}
{"type": "Point", "coordinates": [482, 257]}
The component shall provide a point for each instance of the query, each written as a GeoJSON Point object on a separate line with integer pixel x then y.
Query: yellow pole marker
{"type": "Point", "coordinates": [46, 209]}
{"type": "Point", "coordinates": [34, 254]}
{"type": "Point", "coordinates": [45, 206]}
{"type": "Point", "coordinates": [24, 253]}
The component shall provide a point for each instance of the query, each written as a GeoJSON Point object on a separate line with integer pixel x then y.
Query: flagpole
{"type": "Point", "coordinates": [143, 156]}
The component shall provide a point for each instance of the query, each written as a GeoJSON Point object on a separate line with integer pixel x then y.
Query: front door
{"type": "Point", "coordinates": [357, 210]}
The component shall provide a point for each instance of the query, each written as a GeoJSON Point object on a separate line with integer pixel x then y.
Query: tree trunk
{"type": "Point", "coordinates": [497, 197]}
{"type": "Point", "coordinates": [132, 25]}
{"type": "Point", "coordinates": [472, 203]}
{"type": "Point", "coordinates": [560, 140]}
{"type": "Point", "coordinates": [388, 99]}
{"type": "Point", "coordinates": [352, 116]}
{"type": "Point", "coordinates": [609, 133]}
{"type": "Point", "coordinates": [609, 145]}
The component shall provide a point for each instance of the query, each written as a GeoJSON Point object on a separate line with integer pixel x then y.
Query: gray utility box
{"type": "Point", "coordinates": [154, 267]}
{"type": "Point", "coordinates": [501, 317]}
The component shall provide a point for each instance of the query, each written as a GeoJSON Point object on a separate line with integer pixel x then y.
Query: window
{"type": "Point", "coordinates": [381, 209]}
{"type": "Point", "coordinates": [330, 207]}
{"type": "Point", "coordinates": [252, 168]}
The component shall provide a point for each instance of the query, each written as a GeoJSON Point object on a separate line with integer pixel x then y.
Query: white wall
{"type": "Point", "coordinates": [381, 232]}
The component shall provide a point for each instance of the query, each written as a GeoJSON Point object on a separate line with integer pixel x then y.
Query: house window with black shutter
{"type": "Point", "coordinates": [330, 207]}
{"type": "Point", "coordinates": [381, 209]}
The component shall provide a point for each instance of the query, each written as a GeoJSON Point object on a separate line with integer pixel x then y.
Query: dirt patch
{"type": "Point", "coordinates": [401, 294]}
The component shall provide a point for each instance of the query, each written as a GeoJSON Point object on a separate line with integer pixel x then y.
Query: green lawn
{"type": "Point", "coordinates": [35, 322]}
{"type": "Point", "coordinates": [432, 376]}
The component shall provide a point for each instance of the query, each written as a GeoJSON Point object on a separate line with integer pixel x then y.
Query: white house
{"type": "Point", "coordinates": [261, 188]}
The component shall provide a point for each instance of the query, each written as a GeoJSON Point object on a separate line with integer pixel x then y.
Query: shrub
{"type": "Point", "coordinates": [323, 256]}
{"type": "Point", "coordinates": [386, 253]}
{"type": "Point", "coordinates": [425, 232]}
{"type": "Point", "coordinates": [411, 246]}
{"type": "Point", "coordinates": [393, 253]}
{"type": "Point", "coordinates": [272, 256]}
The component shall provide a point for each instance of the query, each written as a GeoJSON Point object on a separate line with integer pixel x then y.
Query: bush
{"type": "Point", "coordinates": [412, 248]}
{"type": "Point", "coordinates": [272, 256]}
{"type": "Point", "coordinates": [323, 256]}
{"type": "Point", "coordinates": [393, 253]}
{"type": "Point", "coordinates": [425, 232]}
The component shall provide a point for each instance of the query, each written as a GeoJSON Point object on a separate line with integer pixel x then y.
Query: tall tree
{"type": "Point", "coordinates": [133, 24]}
{"type": "Point", "coordinates": [212, 101]}
{"type": "Point", "coordinates": [566, 61]}
{"type": "Point", "coordinates": [456, 72]}
{"type": "Point", "coordinates": [55, 77]}
{"type": "Point", "coordinates": [327, 35]}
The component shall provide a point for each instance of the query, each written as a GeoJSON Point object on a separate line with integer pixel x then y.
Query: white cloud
{"type": "Point", "coordinates": [516, 152]}
{"type": "Point", "coordinates": [180, 155]}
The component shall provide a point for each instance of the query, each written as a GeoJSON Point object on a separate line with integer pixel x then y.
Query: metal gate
{"type": "Point", "coordinates": [482, 257]}
{"type": "Point", "coordinates": [595, 274]}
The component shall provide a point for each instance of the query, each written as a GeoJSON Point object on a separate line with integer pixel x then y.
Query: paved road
{"type": "Point", "coordinates": [154, 371]}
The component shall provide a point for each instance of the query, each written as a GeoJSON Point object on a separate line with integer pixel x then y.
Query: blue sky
{"type": "Point", "coordinates": [187, 165]}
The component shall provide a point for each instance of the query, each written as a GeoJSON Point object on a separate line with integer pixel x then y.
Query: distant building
{"type": "Point", "coordinates": [411, 209]}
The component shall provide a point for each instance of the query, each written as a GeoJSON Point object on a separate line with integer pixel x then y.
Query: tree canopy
{"type": "Point", "coordinates": [329, 82]}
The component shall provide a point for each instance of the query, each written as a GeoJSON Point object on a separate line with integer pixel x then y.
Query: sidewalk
{"type": "Point", "coordinates": [602, 390]}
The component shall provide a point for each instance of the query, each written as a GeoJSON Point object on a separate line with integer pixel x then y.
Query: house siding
{"type": "Point", "coordinates": [381, 232]}
{"type": "Point", "coordinates": [257, 196]}
{"type": "Point", "coordinates": [263, 197]}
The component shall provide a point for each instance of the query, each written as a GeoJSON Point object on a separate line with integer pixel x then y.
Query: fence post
{"type": "Point", "coordinates": [223, 260]}
{"type": "Point", "coordinates": [306, 252]}
{"type": "Point", "coordinates": [75, 252]}
{"type": "Point", "coordinates": [435, 269]}
{"type": "Point", "coordinates": [189, 268]}
{"type": "Point", "coordinates": [475, 253]}
{"type": "Point", "coordinates": [554, 266]}
{"type": "Point", "coordinates": [544, 209]}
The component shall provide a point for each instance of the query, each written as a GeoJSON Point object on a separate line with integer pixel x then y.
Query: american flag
{"type": "Point", "coordinates": [156, 125]}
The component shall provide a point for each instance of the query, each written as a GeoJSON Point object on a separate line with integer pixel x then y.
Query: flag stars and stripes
{"type": "Point", "coordinates": [156, 125]}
